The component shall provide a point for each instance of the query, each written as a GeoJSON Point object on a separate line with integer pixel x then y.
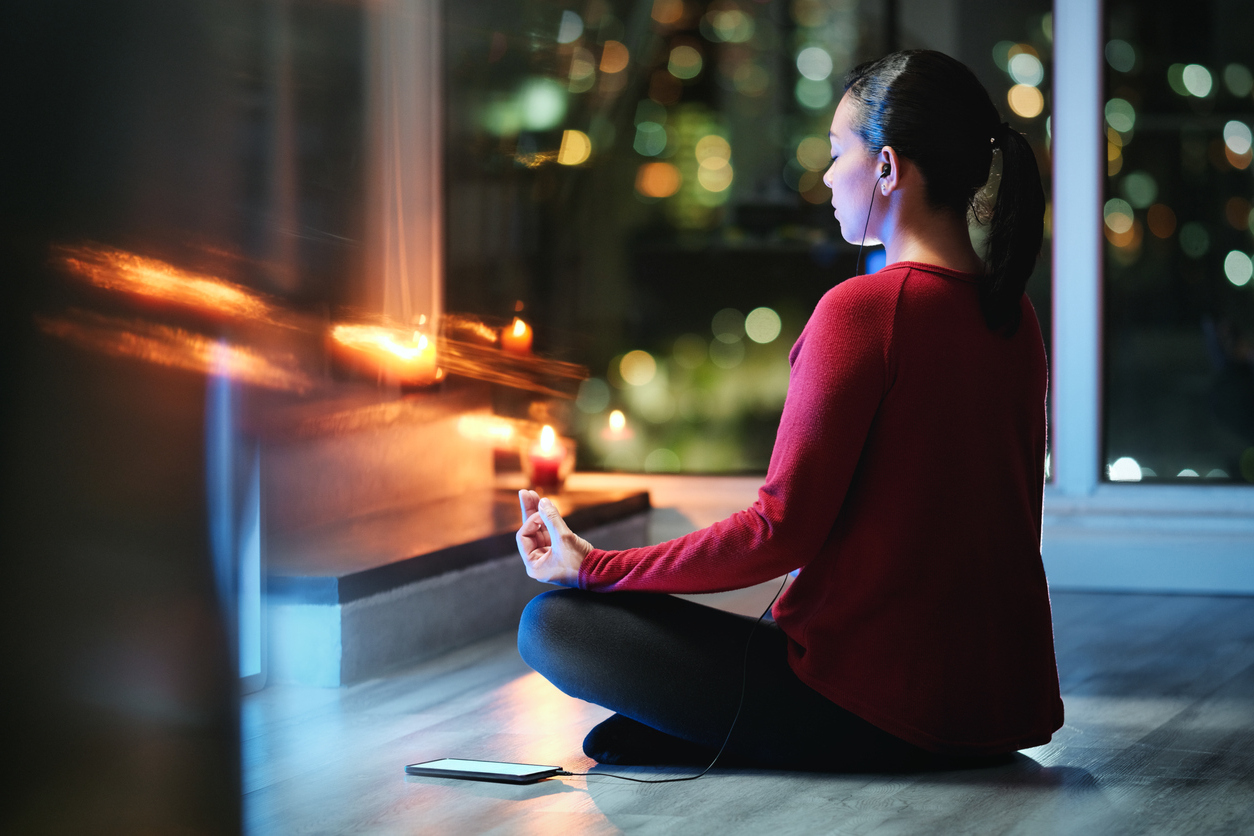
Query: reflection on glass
{"type": "Point", "coordinates": [1179, 310]}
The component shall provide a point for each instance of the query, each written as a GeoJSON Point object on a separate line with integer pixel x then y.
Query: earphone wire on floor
{"type": "Point", "coordinates": [744, 678]}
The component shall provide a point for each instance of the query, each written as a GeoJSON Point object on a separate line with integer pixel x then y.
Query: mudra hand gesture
{"type": "Point", "coordinates": [550, 550]}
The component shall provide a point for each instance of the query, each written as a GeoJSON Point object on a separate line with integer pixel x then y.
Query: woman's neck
{"type": "Point", "coordinates": [929, 236]}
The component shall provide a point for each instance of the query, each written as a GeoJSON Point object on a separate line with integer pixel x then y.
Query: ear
{"type": "Point", "coordinates": [891, 181]}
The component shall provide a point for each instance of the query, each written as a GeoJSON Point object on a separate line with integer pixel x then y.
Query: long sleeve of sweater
{"type": "Point", "coordinates": [840, 370]}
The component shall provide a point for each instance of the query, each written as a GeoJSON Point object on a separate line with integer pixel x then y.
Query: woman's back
{"type": "Point", "coordinates": [925, 610]}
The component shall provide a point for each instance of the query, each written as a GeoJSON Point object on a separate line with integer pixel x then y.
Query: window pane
{"type": "Point", "coordinates": [642, 183]}
{"type": "Point", "coordinates": [1179, 314]}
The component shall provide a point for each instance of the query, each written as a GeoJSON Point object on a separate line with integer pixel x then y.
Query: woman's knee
{"type": "Point", "coordinates": [547, 624]}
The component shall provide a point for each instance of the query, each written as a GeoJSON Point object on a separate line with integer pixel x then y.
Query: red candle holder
{"type": "Point", "coordinates": [548, 460]}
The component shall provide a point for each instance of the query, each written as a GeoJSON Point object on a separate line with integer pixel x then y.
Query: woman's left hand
{"type": "Point", "coordinates": [550, 550]}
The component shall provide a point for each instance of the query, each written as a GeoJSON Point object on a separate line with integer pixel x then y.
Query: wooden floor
{"type": "Point", "coordinates": [1159, 739]}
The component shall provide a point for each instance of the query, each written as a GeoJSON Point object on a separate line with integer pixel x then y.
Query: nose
{"type": "Point", "coordinates": [827, 177]}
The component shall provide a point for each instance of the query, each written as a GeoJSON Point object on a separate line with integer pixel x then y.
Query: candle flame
{"type": "Point", "coordinates": [548, 439]}
{"type": "Point", "coordinates": [375, 339]}
{"type": "Point", "coordinates": [520, 327]}
{"type": "Point", "coordinates": [617, 420]}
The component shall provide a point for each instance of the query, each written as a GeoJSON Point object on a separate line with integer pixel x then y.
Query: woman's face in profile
{"type": "Point", "coordinates": [851, 176]}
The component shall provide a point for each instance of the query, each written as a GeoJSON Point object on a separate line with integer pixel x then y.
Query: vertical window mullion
{"type": "Point", "coordinates": [1077, 146]}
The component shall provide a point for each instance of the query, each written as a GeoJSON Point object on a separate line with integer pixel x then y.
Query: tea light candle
{"type": "Point", "coordinates": [417, 361]}
{"type": "Point", "coordinates": [546, 458]}
{"type": "Point", "coordinates": [616, 428]}
{"type": "Point", "coordinates": [409, 360]}
{"type": "Point", "coordinates": [517, 337]}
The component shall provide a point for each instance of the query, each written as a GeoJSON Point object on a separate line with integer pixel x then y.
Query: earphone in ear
{"type": "Point", "coordinates": [884, 171]}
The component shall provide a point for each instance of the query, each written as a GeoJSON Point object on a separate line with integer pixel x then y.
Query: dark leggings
{"type": "Point", "coordinates": [677, 667]}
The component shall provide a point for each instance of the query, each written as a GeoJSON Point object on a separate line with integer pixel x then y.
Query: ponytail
{"type": "Point", "coordinates": [934, 111]}
{"type": "Point", "coordinates": [1015, 232]}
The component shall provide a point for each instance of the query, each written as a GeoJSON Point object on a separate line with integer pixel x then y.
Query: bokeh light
{"type": "Point", "coordinates": [1140, 189]}
{"type": "Point", "coordinates": [716, 177]}
{"type": "Point", "coordinates": [614, 57]}
{"type": "Point", "coordinates": [1124, 469]}
{"type": "Point", "coordinates": [730, 25]}
{"type": "Point", "coordinates": [542, 102]}
{"type": "Point", "coordinates": [1120, 115]}
{"type": "Point", "coordinates": [1238, 268]}
{"type": "Point", "coordinates": [650, 139]}
{"type": "Point", "coordinates": [814, 153]}
{"type": "Point", "coordinates": [1120, 55]}
{"type": "Point", "coordinates": [1118, 215]}
{"type": "Point", "coordinates": [812, 94]}
{"type": "Point", "coordinates": [1238, 80]}
{"type": "Point", "coordinates": [1161, 220]}
{"type": "Point", "coordinates": [1001, 54]}
{"type": "Point", "coordinates": [728, 325]}
{"type": "Point", "coordinates": [668, 11]}
{"type": "Point", "coordinates": [658, 180]}
{"type": "Point", "coordinates": [1175, 79]}
{"type": "Point", "coordinates": [814, 63]}
{"type": "Point", "coordinates": [1025, 101]}
{"type": "Point", "coordinates": [762, 325]}
{"type": "Point", "coordinates": [594, 396]}
{"type": "Point", "coordinates": [711, 149]}
{"type": "Point", "coordinates": [1237, 137]}
{"type": "Point", "coordinates": [637, 367]}
{"type": "Point", "coordinates": [575, 149]}
{"type": "Point", "coordinates": [685, 62]}
{"type": "Point", "coordinates": [1197, 80]}
{"type": "Point", "coordinates": [570, 29]}
{"type": "Point", "coordinates": [1194, 239]}
{"type": "Point", "coordinates": [1026, 68]}
{"type": "Point", "coordinates": [582, 71]}
{"type": "Point", "coordinates": [727, 355]}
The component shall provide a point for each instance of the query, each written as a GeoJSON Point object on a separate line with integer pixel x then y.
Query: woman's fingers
{"type": "Point", "coordinates": [552, 519]}
{"type": "Point", "coordinates": [533, 539]}
{"type": "Point", "coordinates": [529, 502]}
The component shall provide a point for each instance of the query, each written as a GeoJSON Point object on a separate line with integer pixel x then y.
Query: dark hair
{"type": "Point", "coordinates": [934, 112]}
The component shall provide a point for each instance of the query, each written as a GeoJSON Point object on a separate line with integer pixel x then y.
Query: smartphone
{"type": "Point", "coordinates": [505, 773]}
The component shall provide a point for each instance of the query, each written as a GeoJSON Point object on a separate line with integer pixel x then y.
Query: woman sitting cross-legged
{"type": "Point", "coordinates": [905, 485]}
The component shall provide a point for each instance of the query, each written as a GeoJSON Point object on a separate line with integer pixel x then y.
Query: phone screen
{"type": "Point", "coordinates": [514, 773]}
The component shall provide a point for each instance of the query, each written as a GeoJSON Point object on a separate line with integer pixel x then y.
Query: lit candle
{"type": "Point", "coordinates": [517, 338]}
{"type": "Point", "coordinates": [410, 360]}
{"type": "Point", "coordinates": [547, 457]}
{"type": "Point", "coordinates": [616, 429]}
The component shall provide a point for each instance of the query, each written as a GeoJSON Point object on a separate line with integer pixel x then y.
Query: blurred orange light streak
{"type": "Point", "coordinates": [127, 272]}
{"type": "Point", "coordinates": [176, 348]}
{"type": "Point", "coordinates": [489, 428]}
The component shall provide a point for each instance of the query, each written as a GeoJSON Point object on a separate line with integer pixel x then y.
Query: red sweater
{"type": "Point", "coordinates": [906, 485]}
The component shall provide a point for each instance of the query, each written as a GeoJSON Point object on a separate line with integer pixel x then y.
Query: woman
{"type": "Point", "coordinates": [905, 485]}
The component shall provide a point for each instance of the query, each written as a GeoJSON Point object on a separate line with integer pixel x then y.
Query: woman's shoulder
{"type": "Point", "coordinates": [868, 291]}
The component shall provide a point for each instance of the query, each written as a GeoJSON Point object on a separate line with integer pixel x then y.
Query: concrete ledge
{"type": "Point", "coordinates": [338, 644]}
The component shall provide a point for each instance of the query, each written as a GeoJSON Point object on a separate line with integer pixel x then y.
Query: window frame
{"type": "Point", "coordinates": [1097, 535]}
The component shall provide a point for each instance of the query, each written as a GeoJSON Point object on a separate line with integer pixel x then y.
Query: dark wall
{"type": "Point", "coordinates": [120, 699]}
